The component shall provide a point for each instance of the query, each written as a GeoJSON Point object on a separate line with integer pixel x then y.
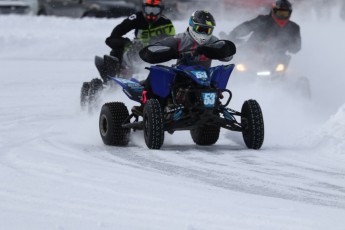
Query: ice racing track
{"type": "Point", "coordinates": [242, 171]}
{"type": "Point", "coordinates": [53, 163]}
{"type": "Point", "coordinates": [287, 172]}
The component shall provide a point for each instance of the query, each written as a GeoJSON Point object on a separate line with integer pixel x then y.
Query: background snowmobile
{"type": "Point", "coordinates": [184, 98]}
{"type": "Point", "coordinates": [265, 64]}
{"type": "Point", "coordinates": [262, 65]}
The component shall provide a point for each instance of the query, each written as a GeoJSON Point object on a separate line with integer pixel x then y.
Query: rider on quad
{"type": "Point", "coordinates": [191, 48]}
{"type": "Point", "coordinates": [185, 96]}
{"type": "Point", "coordinates": [149, 26]}
{"type": "Point", "coordinates": [272, 36]}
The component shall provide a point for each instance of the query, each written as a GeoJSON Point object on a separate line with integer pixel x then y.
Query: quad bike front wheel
{"type": "Point", "coordinates": [252, 124]}
{"type": "Point", "coordinates": [112, 116]}
{"type": "Point", "coordinates": [153, 124]}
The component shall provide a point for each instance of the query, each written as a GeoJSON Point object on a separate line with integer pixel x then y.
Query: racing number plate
{"type": "Point", "coordinates": [209, 99]}
{"type": "Point", "coordinates": [201, 75]}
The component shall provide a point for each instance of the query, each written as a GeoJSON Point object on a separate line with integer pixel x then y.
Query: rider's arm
{"type": "Point", "coordinates": [222, 50]}
{"type": "Point", "coordinates": [116, 40]}
{"type": "Point", "coordinates": [172, 42]}
{"type": "Point", "coordinates": [295, 45]}
{"type": "Point", "coordinates": [245, 28]}
{"type": "Point", "coordinates": [227, 59]}
{"type": "Point", "coordinates": [162, 51]}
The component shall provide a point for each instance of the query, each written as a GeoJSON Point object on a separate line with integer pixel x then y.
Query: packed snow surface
{"type": "Point", "coordinates": [56, 173]}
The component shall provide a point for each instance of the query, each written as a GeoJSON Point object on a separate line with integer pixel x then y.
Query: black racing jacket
{"type": "Point", "coordinates": [146, 32]}
{"type": "Point", "coordinates": [265, 34]}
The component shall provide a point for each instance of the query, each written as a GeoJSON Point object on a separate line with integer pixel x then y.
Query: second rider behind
{"type": "Point", "coordinates": [149, 26]}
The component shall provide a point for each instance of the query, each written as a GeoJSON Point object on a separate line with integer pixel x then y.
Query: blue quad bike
{"type": "Point", "coordinates": [184, 98]}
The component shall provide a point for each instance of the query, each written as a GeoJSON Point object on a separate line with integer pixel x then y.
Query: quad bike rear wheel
{"type": "Point", "coordinates": [112, 116]}
{"type": "Point", "coordinates": [252, 124]}
{"type": "Point", "coordinates": [207, 135]}
{"type": "Point", "coordinates": [84, 94]}
{"type": "Point", "coordinates": [153, 124]}
{"type": "Point", "coordinates": [96, 87]}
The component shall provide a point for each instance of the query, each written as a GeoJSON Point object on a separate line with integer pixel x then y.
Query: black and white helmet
{"type": "Point", "coordinates": [201, 25]}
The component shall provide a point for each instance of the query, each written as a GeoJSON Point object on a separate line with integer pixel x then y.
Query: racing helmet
{"type": "Point", "coordinates": [281, 12]}
{"type": "Point", "coordinates": [201, 25]}
{"type": "Point", "coordinates": [152, 9]}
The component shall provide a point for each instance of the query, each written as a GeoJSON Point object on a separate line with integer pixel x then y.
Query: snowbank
{"type": "Point", "coordinates": [331, 138]}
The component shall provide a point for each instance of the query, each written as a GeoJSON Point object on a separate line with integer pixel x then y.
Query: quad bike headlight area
{"type": "Point", "coordinates": [279, 69]}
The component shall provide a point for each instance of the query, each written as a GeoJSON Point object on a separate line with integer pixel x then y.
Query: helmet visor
{"type": "Point", "coordinates": [155, 10]}
{"type": "Point", "coordinates": [202, 29]}
{"type": "Point", "coordinates": [282, 14]}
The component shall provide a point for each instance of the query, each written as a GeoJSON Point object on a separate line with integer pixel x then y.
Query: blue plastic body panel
{"type": "Point", "coordinates": [131, 88]}
{"type": "Point", "coordinates": [198, 73]}
{"type": "Point", "coordinates": [161, 79]}
{"type": "Point", "coordinates": [220, 75]}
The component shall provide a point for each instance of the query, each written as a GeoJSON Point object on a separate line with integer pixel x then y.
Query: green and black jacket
{"type": "Point", "coordinates": [146, 32]}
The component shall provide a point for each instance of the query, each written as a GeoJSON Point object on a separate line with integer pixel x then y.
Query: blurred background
{"type": "Point", "coordinates": [175, 9]}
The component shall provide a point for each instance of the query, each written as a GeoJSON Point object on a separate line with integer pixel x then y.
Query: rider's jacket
{"type": "Point", "coordinates": [183, 42]}
{"type": "Point", "coordinates": [146, 32]}
{"type": "Point", "coordinates": [265, 33]}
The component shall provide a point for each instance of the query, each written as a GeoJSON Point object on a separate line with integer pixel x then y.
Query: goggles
{"type": "Point", "coordinates": [282, 14]}
{"type": "Point", "coordinates": [201, 29]}
{"type": "Point", "coordinates": [155, 10]}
